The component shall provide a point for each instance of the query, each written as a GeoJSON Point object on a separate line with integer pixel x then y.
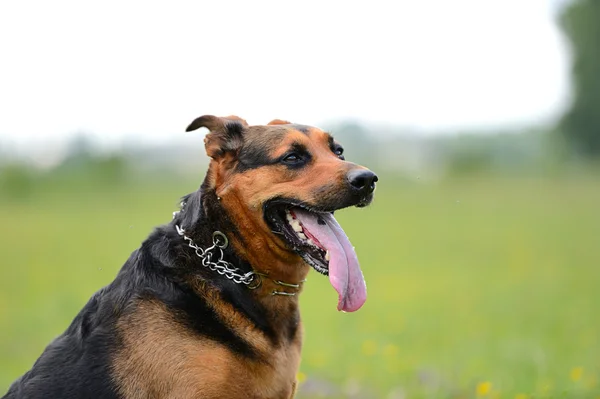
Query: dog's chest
{"type": "Point", "coordinates": [281, 372]}
{"type": "Point", "coordinates": [161, 360]}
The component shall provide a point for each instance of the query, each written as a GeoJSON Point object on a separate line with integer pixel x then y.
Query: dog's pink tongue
{"type": "Point", "coordinates": [344, 272]}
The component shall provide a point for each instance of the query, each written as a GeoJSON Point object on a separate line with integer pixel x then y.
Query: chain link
{"type": "Point", "coordinates": [221, 266]}
{"type": "Point", "coordinates": [251, 279]}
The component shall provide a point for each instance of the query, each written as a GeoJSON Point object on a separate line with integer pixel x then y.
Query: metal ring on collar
{"type": "Point", "coordinates": [220, 240]}
{"type": "Point", "coordinates": [255, 281]}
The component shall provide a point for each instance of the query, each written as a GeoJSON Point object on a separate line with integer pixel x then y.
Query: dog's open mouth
{"type": "Point", "coordinates": [319, 239]}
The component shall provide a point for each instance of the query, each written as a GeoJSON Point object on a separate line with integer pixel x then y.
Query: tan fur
{"type": "Point", "coordinates": [278, 122]}
{"type": "Point", "coordinates": [162, 359]}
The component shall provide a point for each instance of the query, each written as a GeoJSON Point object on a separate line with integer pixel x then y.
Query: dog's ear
{"type": "Point", "coordinates": [225, 134]}
{"type": "Point", "coordinates": [279, 122]}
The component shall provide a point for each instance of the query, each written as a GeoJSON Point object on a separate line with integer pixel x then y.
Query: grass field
{"type": "Point", "coordinates": [481, 287]}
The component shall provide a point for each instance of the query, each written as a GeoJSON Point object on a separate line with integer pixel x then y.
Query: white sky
{"type": "Point", "coordinates": [122, 68]}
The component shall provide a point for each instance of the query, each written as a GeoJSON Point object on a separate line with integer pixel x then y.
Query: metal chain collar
{"type": "Point", "coordinates": [251, 279]}
{"type": "Point", "coordinates": [219, 265]}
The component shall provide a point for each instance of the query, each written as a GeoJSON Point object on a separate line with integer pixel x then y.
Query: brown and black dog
{"type": "Point", "coordinates": [207, 307]}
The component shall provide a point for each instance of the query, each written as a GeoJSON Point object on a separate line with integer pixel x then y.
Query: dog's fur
{"type": "Point", "coordinates": [168, 327]}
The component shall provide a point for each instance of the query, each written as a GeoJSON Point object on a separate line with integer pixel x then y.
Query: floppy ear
{"type": "Point", "coordinates": [225, 134]}
{"type": "Point", "coordinates": [279, 122]}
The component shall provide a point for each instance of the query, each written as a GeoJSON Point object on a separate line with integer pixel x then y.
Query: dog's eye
{"type": "Point", "coordinates": [296, 157]}
{"type": "Point", "coordinates": [292, 158]}
{"type": "Point", "coordinates": [339, 151]}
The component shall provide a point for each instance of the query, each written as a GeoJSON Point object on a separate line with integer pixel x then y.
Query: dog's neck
{"type": "Point", "coordinates": [203, 214]}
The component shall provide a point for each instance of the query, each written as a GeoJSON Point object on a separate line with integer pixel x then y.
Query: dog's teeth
{"type": "Point", "coordinates": [296, 225]}
{"type": "Point", "coordinates": [301, 235]}
{"type": "Point", "coordinates": [327, 256]}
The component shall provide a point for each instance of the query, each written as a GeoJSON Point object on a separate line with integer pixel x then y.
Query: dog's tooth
{"type": "Point", "coordinates": [327, 256]}
{"type": "Point", "coordinates": [296, 226]}
{"type": "Point", "coordinates": [301, 235]}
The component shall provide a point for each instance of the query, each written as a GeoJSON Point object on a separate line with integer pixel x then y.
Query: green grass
{"type": "Point", "coordinates": [485, 284]}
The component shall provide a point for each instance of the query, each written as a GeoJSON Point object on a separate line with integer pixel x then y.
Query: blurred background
{"type": "Point", "coordinates": [481, 250]}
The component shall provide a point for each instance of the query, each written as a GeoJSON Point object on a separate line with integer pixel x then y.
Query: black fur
{"type": "Point", "coordinates": [252, 157]}
{"type": "Point", "coordinates": [233, 137]}
{"type": "Point", "coordinates": [77, 363]}
{"type": "Point", "coordinates": [256, 153]}
{"type": "Point", "coordinates": [255, 156]}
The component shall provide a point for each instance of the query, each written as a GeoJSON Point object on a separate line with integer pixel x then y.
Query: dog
{"type": "Point", "coordinates": [207, 307]}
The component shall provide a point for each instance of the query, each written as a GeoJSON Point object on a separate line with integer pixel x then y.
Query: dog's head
{"type": "Point", "coordinates": [280, 184]}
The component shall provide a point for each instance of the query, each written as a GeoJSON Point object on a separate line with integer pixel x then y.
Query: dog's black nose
{"type": "Point", "coordinates": [362, 180]}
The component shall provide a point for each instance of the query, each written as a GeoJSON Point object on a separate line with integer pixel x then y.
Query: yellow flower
{"type": "Point", "coordinates": [369, 347]}
{"type": "Point", "coordinates": [576, 374]}
{"type": "Point", "coordinates": [301, 377]}
{"type": "Point", "coordinates": [390, 350]}
{"type": "Point", "coordinates": [484, 388]}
